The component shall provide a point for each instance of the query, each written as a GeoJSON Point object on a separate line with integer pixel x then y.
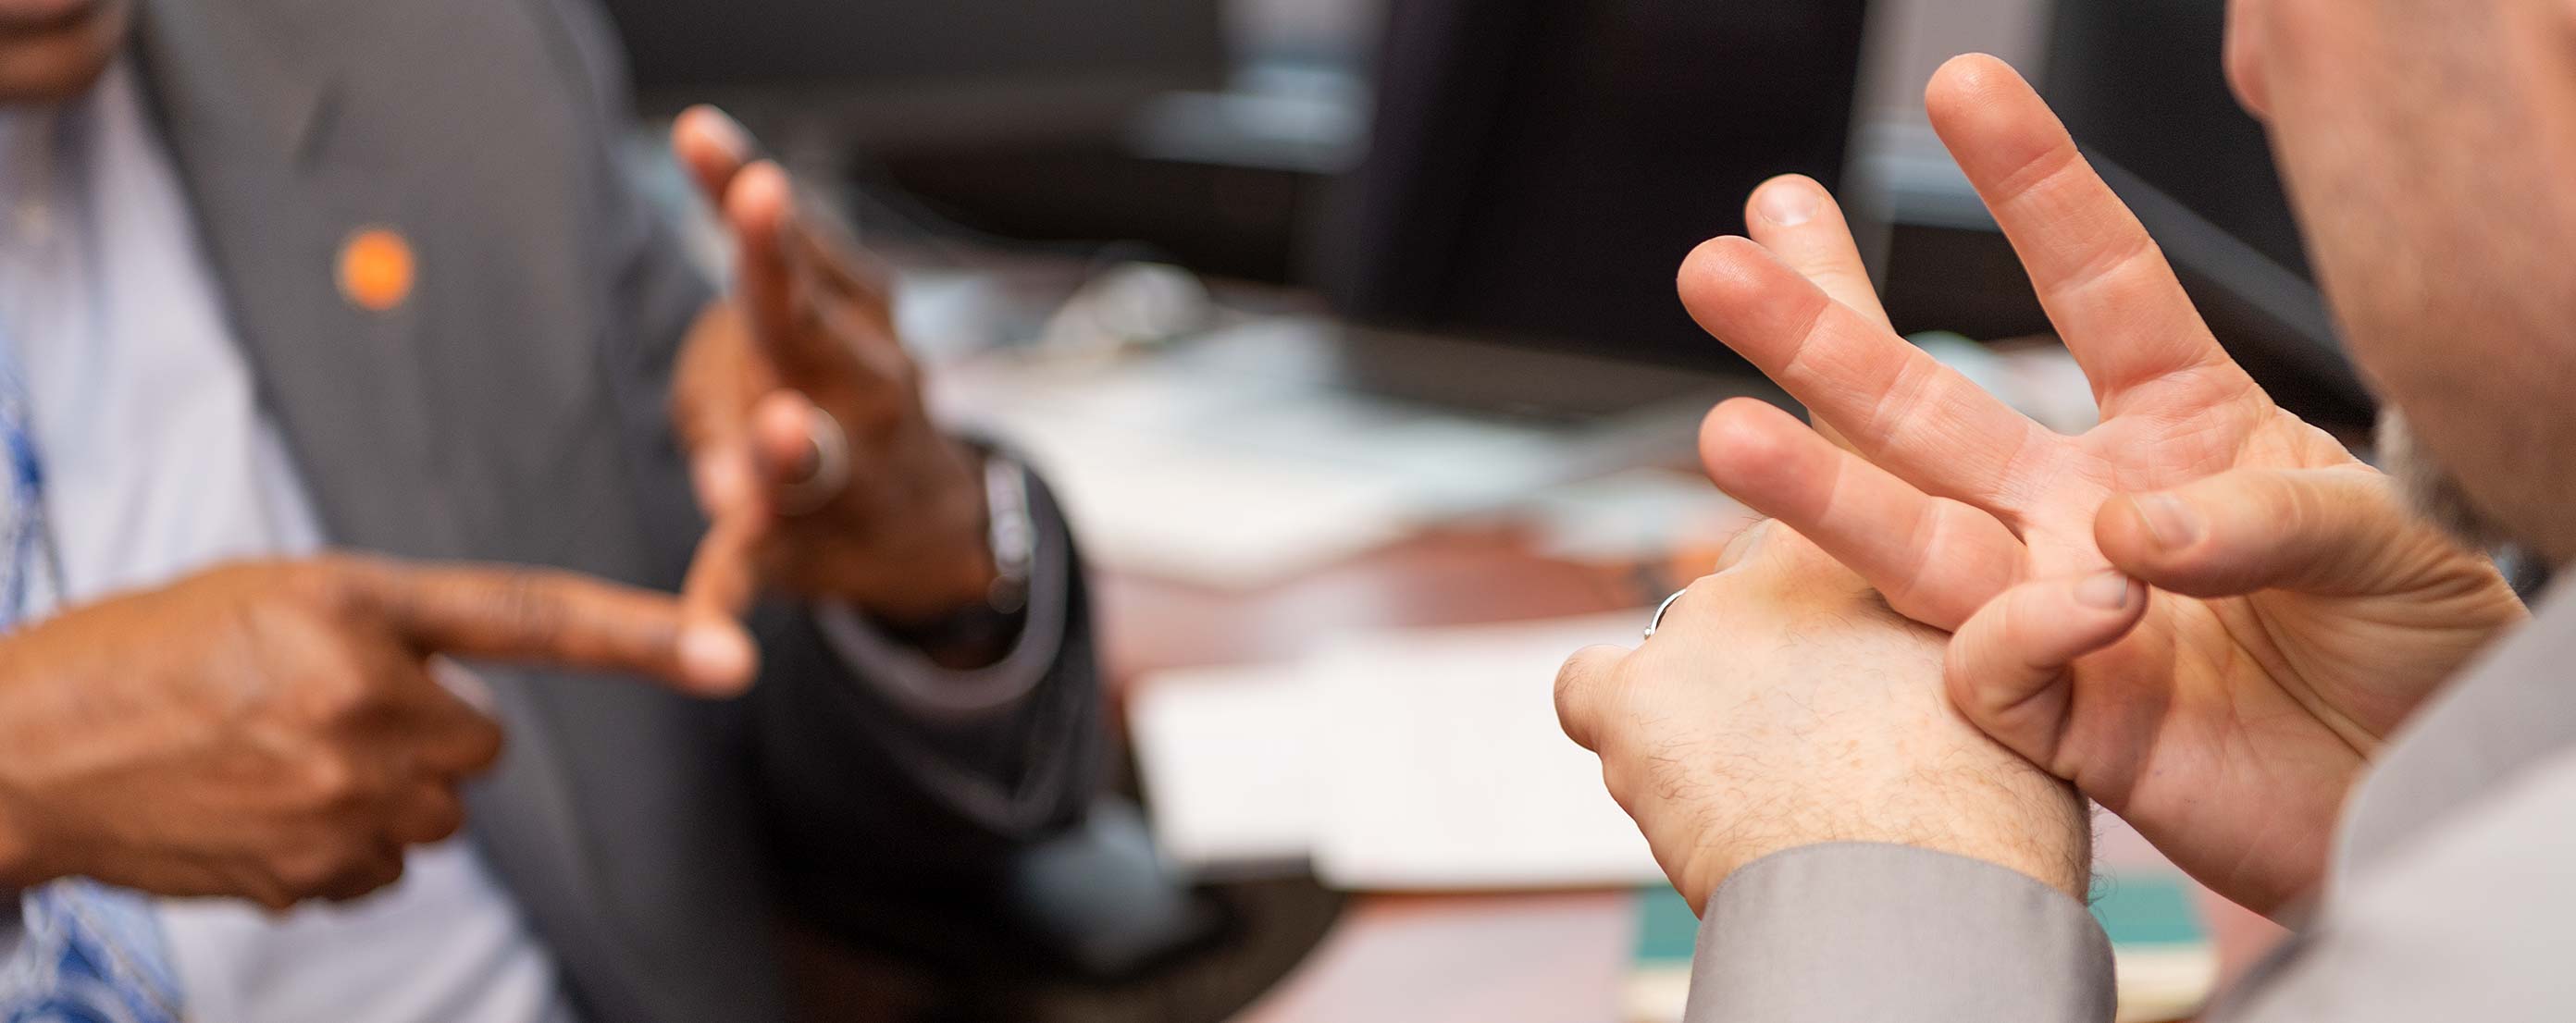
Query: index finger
{"type": "Point", "coordinates": [558, 618]}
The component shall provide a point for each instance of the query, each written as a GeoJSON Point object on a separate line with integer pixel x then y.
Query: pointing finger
{"type": "Point", "coordinates": [544, 616]}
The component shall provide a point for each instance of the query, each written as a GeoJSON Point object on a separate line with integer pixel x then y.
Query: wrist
{"type": "Point", "coordinates": [18, 867]}
{"type": "Point", "coordinates": [2031, 824]}
{"type": "Point", "coordinates": [982, 628]}
{"type": "Point", "coordinates": [19, 846]}
{"type": "Point", "coordinates": [1928, 781]}
{"type": "Point", "coordinates": [959, 519]}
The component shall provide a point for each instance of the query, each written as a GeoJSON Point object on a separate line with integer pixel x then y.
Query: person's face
{"type": "Point", "coordinates": [51, 50]}
{"type": "Point", "coordinates": [2425, 144]}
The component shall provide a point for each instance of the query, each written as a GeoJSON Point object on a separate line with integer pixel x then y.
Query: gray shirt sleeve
{"type": "Point", "coordinates": [2468, 920]}
{"type": "Point", "coordinates": [1852, 932]}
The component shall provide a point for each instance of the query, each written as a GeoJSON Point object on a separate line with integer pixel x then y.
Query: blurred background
{"type": "Point", "coordinates": [1346, 328]}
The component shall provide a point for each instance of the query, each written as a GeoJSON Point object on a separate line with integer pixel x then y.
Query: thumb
{"type": "Point", "coordinates": [2006, 669]}
{"type": "Point", "coordinates": [2332, 532]}
{"type": "Point", "coordinates": [723, 576]}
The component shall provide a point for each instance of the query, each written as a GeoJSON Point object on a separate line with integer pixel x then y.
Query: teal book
{"type": "Point", "coordinates": [2160, 945]}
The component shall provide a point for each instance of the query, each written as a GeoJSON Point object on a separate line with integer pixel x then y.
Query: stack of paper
{"type": "Point", "coordinates": [1417, 760]}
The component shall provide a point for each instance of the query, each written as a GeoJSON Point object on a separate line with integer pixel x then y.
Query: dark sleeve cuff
{"type": "Point", "coordinates": [911, 680]}
{"type": "Point", "coordinates": [1854, 932]}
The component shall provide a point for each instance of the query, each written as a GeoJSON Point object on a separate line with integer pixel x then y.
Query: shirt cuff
{"type": "Point", "coordinates": [912, 680]}
{"type": "Point", "coordinates": [1853, 931]}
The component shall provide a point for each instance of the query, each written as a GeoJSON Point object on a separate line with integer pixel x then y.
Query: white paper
{"type": "Point", "coordinates": [1415, 760]}
{"type": "Point", "coordinates": [1225, 767]}
{"type": "Point", "coordinates": [1455, 773]}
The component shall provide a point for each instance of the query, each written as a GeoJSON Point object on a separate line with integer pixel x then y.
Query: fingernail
{"type": "Point", "coordinates": [2109, 591]}
{"type": "Point", "coordinates": [722, 477]}
{"type": "Point", "coordinates": [1788, 204]}
{"type": "Point", "coordinates": [716, 656]}
{"type": "Point", "coordinates": [2171, 523]}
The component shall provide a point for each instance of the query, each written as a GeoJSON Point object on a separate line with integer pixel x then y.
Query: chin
{"type": "Point", "coordinates": [59, 62]}
{"type": "Point", "coordinates": [2431, 489]}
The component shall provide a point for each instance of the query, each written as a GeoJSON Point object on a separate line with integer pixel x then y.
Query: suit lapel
{"type": "Point", "coordinates": [246, 104]}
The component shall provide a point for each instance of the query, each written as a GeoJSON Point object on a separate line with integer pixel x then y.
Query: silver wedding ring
{"type": "Point", "coordinates": [830, 463]}
{"type": "Point", "coordinates": [1657, 622]}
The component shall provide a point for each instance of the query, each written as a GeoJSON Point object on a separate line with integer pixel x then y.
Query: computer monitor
{"type": "Point", "coordinates": [1538, 168]}
{"type": "Point", "coordinates": [2142, 87]}
{"type": "Point", "coordinates": [890, 74]}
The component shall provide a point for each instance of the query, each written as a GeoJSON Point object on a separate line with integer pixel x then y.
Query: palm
{"type": "Point", "coordinates": [2226, 728]}
{"type": "Point", "coordinates": [2267, 704]}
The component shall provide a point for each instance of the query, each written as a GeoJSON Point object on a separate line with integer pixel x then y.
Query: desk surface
{"type": "Point", "coordinates": [1506, 958]}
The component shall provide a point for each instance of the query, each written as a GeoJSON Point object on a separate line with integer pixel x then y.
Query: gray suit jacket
{"type": "Point", "coordinates": [512, 409]}
{"type": "Point", "coordinates": [2450, 896]}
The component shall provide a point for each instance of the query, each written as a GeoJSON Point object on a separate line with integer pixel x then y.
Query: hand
{"type": "Point", "coordinates": [272, 731]}
{"type": "Point", "coordinates": [1782, 704]}
{"type": "Point", "coordinates": [810, 330]}
{"type": "Point", "coordinates": [2303, 612]}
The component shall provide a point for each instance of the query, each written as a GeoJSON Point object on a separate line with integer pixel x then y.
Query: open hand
{"type": "Point", "coordinates": [806, 347]}
{"type": "Point", "coordinates": [2301, 612]}
{"type": "Point", "coordinates": [273, 731]}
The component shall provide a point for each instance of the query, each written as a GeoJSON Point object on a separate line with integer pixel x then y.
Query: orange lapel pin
{"type": "Point", "coordinates": [376, 269]}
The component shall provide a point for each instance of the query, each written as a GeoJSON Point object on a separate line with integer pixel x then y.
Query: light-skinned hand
{"type": "Point", "coordinates": [1781, 704]}
{"type": "Point", "coordinates": [2299, 611]}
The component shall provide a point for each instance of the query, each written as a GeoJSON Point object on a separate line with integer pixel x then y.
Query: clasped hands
{"type": "Point", "coordinates": [2203, 614]}
{"type": "Point", "coordinates": [279, 731]}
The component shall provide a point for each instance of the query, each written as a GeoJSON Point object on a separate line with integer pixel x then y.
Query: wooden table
{"type": "Point", "coordinates": [1492, 958]}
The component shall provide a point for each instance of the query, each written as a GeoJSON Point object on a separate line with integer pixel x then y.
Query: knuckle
{"type": "Point", "coordinates": [309, 870]}
{"type": "Point", "coordinates": [479, 743]}
{"type": "Point", "coordinates": [435, 816]}
{"type": "Point", "coordinates": [523, 598]}
{"type": "Point", "coordinates": [1583, 684]}
{"type": "Point", "coordinates": [340, 694]}
{"type": "Point", "coordinates": [337, 783]}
